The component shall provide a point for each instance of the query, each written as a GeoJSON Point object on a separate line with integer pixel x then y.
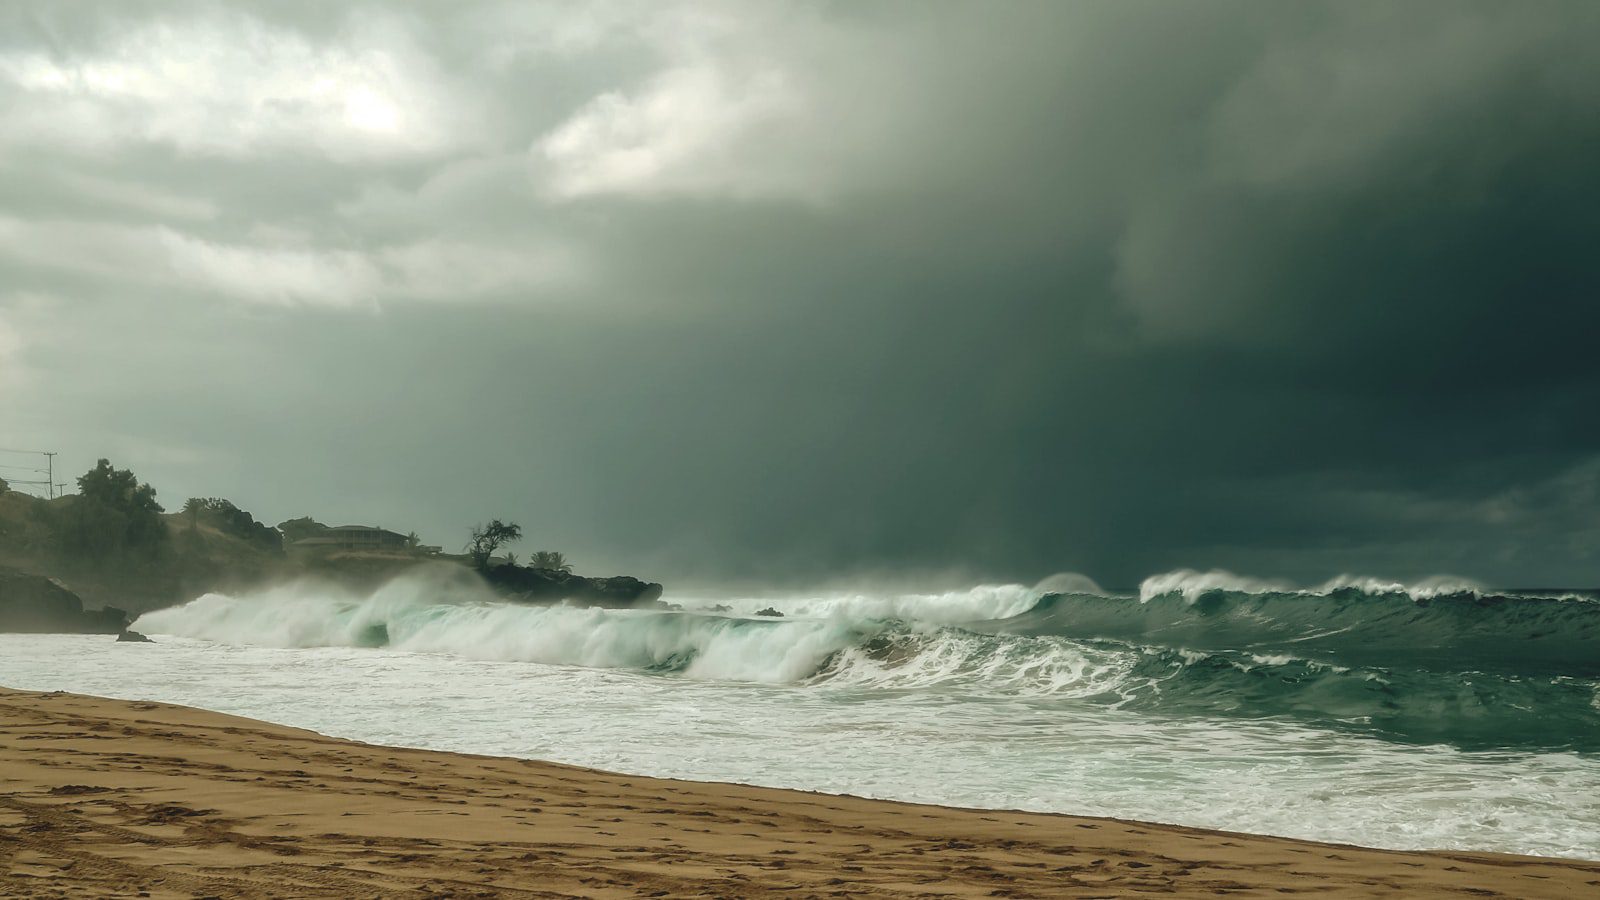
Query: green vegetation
{"type": "Point", "coordinates": [113, 545]}
{"type": "Point", "coordinates": [231, 520]}
{"type": "Point", "coordinates": [551, 560]}
{"type": "Point", "coordinates": [301, 528]}
{"type": "Point", "coordinates": [486, 539]}
{"type": "Point", "coordinates": [114, 517]}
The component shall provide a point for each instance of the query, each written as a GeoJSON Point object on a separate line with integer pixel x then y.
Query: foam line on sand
{"type": "Point", "coordinates": [116, 798]}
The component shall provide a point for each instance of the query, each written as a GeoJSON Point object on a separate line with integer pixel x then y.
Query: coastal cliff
{"type": "Point", "coordinates": [62, 554]}
{"type": "Point", "coordinates": [34, 604]}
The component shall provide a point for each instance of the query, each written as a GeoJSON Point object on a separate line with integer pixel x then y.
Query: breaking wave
{"type": "Point", "coordinates": [1473, 710]}
{"type": "Point", "coordinates": [1463, 667]}
{"type": "Point", "coordinates": [425, 616]}
{"type": "Point", "coordinates": [1191, 584]}
{"type": "Point", "coordinates": [1439, 627]}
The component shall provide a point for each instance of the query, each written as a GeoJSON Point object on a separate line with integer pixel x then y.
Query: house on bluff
{"type": "Point", "coordinates": [354, 538]}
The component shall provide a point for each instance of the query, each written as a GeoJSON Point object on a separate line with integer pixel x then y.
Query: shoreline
{"type": "Point", "coordinates": [104, 797]}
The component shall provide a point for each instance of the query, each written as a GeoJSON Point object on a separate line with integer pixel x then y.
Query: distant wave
{"type": "Point", "coordinates": [1440, 626]}
{"type": "Point", "coordinates": [986, 601]}
{"type": "Point", "coordinates": [1190, 584]}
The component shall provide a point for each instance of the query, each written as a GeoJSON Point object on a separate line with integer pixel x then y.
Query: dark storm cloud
{"type": "Point", "coordinates": [728, 293]}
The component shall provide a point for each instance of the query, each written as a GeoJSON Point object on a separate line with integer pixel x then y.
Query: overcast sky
{"type": "Point", "coordinates": [795, 290]}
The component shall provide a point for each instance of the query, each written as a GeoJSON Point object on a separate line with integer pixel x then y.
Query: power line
{"type": "Point", "coordinates": [49, 471]}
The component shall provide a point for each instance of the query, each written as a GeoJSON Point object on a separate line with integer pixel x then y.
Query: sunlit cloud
{"type": "Point", "coordinates": [691, 130]}
{"type": "Point", "coordinates": [231, 86]}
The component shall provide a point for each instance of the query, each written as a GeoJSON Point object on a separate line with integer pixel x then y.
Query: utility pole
{"type": "Point", "coordinates": [49, 471]}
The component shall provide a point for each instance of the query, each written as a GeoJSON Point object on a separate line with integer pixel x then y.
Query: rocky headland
{"type": "Point", "coordinates": [524, 584]}
{"type": "Point", "coordinates": [34, 604]}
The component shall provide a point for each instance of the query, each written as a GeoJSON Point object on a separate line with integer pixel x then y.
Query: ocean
{"type": "Point", "coordinates": [1432, 716]}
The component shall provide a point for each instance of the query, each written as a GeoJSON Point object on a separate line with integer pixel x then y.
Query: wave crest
{"type": "Point", "coordinates": [1191, 584]}
{"type": "Point", "coordinates": [975, 604]}
{"type": "Point", "coordinates": [463, 619]}
{"type": "Point", "coordinates": [1467, 670]}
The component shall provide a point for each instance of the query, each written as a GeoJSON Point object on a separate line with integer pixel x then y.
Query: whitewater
{"type": "Point", "coordinates": [1438, 715]}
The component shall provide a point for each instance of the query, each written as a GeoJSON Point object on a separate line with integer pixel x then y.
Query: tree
{"type": "Point", "coordinates": [486, 539]}
{"type": "Point", "coordinates": [553, 560]}
{"type": "Point", "coordinates": [301, 528]}
{"type": "Point", "coordinates": [118, 488]}
{"type": "Point", "coordinates": [113, 512]}
{"type": "Point", "coordinates": [222, 515]}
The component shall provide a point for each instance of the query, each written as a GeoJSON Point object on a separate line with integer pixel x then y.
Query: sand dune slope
{"type": "Point", "coordinates": [113, 798]}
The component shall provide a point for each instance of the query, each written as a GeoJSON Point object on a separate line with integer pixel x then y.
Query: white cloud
{"type": "Point", "coordinates": [232, 86]}
{"type": "Point", "coordinates": [161, 256]}
{"type": "Point", "coordinates": [689, 131]}
{"type": "Point", "coordinates": [281, 268]}
{"type": "Point", "coordinates": [292, 277]}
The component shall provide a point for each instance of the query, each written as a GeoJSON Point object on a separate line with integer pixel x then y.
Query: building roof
{"type": "Point", "coordinates": [367, 528]}
{"type": "Point", "coordinates": [348, 534]}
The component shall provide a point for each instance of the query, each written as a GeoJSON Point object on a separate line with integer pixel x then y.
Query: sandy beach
{"type": "Point", "coordinates": [115, 798]}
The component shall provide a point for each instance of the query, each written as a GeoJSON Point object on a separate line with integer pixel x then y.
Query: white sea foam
{"type": "Point", "coordinates": [422, 615]}
{"type": "Point", "coordinates": [1008, 666]}
{"type": "Point", "coordinates": [885, 694]}
{"type": "Point", "coordinates": [1434, 586]}
{"type": "Point", "coordinates": [933, 745]}
{"type": "Point", "coordinates": [988, 601]}
{"type": "Point", "coordinates": [1190, 584]}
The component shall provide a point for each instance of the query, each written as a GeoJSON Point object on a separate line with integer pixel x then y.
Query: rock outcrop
{"type": "Point", "coordinates": [528, 585]}
{"type": "Point", "coordinates": [34, 604]}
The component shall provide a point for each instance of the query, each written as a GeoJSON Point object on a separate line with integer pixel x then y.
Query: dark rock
{"type": "Point", "coordinates": [133, 637]}
{"type": "Point", "coordinates": [769, 611]}
{"type": "Point", "coordinates": [34, 604]}
{"type": "Point", "coordinates": [529, 585]}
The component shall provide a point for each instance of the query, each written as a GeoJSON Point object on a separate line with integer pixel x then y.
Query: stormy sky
{"type": "Point", "coordinates": [798, 291]}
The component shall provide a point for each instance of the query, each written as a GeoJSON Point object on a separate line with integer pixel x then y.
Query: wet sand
{"type": "Point", "coordinates": [111, 798]}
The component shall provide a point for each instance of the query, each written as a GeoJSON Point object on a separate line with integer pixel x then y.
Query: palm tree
{"type": "Point", "coordinates": [549, 559]}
